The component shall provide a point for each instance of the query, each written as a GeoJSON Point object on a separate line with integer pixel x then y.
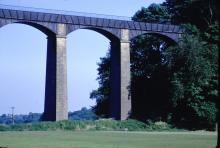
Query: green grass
{"type": "Point", "coordinates": [107, 139]}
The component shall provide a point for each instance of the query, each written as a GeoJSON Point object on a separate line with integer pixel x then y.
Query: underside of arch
{"type": "Point", "coordinates": [40, 27]}
{"type": "Point", "coordinates": [172, 38]}
{"type": "Point", "coordinates": [110, 33]}
{"type": "Point", "coordinates": [45, 28]}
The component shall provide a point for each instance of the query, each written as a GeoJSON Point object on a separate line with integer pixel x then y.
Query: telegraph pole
{"type": "Point", "coordinates": [12, 115]}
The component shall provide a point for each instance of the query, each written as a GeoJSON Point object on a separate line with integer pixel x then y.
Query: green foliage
{"type": "Point", "coordinates": [83, 114]}
{"type": "Point", "coordinates": [133, 125]}
{"type": "Point", "coordinates": [192, 58]}
{"type": "Point", "coordinates": [148, 63]}
{"type": "Point", "coordinates": [102, 124]}
{"type": "Point", "coordinates": [149, 76]}
{"type": "Point", "coordinates": [159, 126]}
{"type": "Point", "coordinates": [4, 127]}
{"type": "Point", "coordinates": [201, 13]}
{"type": "Point", "coordinates": [101, 95]}
{"type": "Point", "coordinates": [31, 117]}
{"type": "Point", "coordinates": [194, 83]}
{"type": "Point", "coordinates": [154, 13]}
{"type": "Point", "coordinates": [177, 84]}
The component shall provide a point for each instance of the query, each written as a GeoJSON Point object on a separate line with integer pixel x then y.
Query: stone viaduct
{"type": "Point", "coordinates": [58, 24]}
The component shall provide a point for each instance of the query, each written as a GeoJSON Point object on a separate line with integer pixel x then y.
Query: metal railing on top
{"type": "Point", "coordinates": [64, 12]}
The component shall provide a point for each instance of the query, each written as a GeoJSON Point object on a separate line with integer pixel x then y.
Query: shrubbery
{"type": "Point", "coordinates": [159, 126]}
{"type": "Point", "coordinates": [101, 124]}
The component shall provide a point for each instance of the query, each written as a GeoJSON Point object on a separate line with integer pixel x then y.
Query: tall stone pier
{"type": "Point", "coordinates": [120, 99]}
{"type": "Point", "coordinates": [56, 77]}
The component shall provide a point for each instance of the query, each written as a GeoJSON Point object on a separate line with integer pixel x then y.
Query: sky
{"type": "Point", "coordinates": [23, 55]}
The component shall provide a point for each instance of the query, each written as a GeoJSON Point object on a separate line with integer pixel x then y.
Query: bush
{"type": "Point", "coordinates": [133, 125]}
{"type": "Point", "coordinates": [4, 127]}
{"type": "Point", "coordinates": [101, 124]}
{"type": "Point", "coordinates": [158, 125]}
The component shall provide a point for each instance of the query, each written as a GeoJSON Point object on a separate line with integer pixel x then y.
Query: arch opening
{"type": "Point", "coordinates": [150, 77]}
{"type": "Point", "coordinates": [85, 47]}
{"type": "Point", "coordinates": [37, 26]}
{"type": "Point", "coordinates": [112, 35]}
{"type": "Point", "coordinates": [23, 63]}
{"type": "Point", "coordinates": [107, 34]}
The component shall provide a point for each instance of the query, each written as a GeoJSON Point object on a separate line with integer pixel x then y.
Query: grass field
{"type": "Point", "coordinates": [99, 139]}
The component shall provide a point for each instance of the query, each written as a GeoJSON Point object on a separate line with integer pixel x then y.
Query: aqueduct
{"type": "Point", "coordinates": [58, 24]}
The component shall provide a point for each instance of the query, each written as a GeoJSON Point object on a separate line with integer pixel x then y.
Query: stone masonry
{"type": "Point", "coordinates": [119, 32]}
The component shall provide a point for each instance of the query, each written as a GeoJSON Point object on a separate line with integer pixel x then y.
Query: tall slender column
{"type": "Point", "coordinates": [55, 108]}
{"type": "Point", "coordinates": [125, 75]}
{"type": "Point", "coordinates": [61, 80]}
{"type": "Point", "coordinates": [120, 100]}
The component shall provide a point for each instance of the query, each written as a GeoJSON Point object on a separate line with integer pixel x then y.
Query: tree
{"type": "Point", "coordinates": [146, 72]}
{"type": "Point", "coordinates": [194, 83]}
{"type": "Point", "coordinates": [194, 72]}
{"type": "Point", "coordinates": [167, 82]}
{"type": "Point", "coordinates": [83, 114]}
{"type": "Point", "coordinates": [154, 13]}
{"type": "Point", "coordinates": [149, 87]}
{"type": "Point", "coordinates": [101, 95]}
{"type": "Point", "coordinates": [201, 13]}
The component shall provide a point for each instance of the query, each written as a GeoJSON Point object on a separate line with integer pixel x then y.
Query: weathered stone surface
{"type": "Point", "coordinates": [56, 77]}
{"type": "Point", "coordinates": [61, 80]}
{"type": "Point", "coordinates": [125, 75]}
{"type": "Point", "coordinates": [61, 74]}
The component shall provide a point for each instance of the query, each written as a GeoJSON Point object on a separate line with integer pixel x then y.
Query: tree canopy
{"type": "Point", "coordinates": [176, 83]}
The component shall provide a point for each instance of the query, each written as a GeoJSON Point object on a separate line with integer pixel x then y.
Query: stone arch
{"type": "Point", "coordinates": [166, 36]}
{"type": "Point", "coordinates": [119, 71]}
{"type": "Point", "coordinates": [53, 43]}
{"type": "Point", "coordinates": [91, 45]}
{"type": "Point", "coordinates": [43, 27]}
{"type": "Point", "coordinates": [141, 107]}
{"type": "Point", "coordinates": [35, 28]}
{"type": "Point", "coordinates": [112, 34]}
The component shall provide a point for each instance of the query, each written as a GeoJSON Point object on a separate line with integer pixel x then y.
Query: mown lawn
{"type": "Point", "coordinates": [99, 139]}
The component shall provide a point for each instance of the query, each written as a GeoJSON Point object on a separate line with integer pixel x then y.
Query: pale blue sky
{"type": "Point", "coordinates": [23, 55]}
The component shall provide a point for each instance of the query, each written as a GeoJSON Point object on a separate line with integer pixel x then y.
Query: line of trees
{"type": "Point", "coordinates": [83, 114]}
{"type": "Point", "coordinates": [175, 83]}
